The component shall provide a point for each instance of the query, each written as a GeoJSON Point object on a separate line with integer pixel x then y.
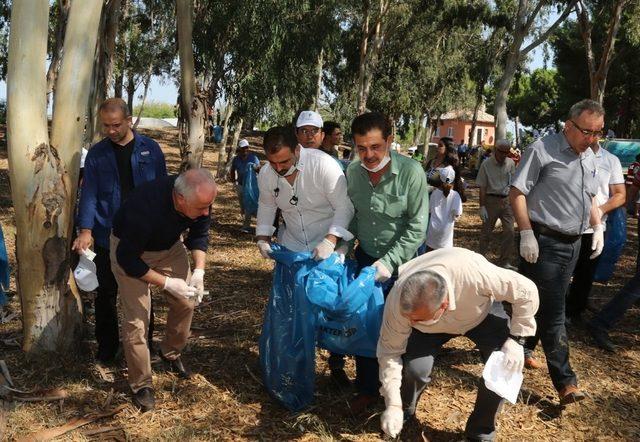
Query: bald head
{"type": "Point", "coordinates": [195, 190]}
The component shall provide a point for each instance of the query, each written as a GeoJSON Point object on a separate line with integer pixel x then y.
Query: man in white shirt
{"type": "Point", "coordinates": [310, 189]}
{"type": "Point", "coordinates": [309, 130]}
{"type": "Point", "coordinates": [610, 195]}
{"type": "Point", "coordinates": [438, 296]}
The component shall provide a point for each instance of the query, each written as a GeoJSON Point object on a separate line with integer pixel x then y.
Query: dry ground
{"type": "Point", "coordinates": [226, 401]}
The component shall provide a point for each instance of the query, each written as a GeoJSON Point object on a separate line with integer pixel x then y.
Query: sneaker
{"type": "Point", "coordinates": [601, 338]}
{"type": "Point", "coordinates": [340, 379]}
{"type": "Point", "coordinates": [532, 363]}
{"type": "Point", "coordinates": [510, 267]}
{"type": "Point", "coordinates": [245, 230]}
{"type": "Point", "coordinates": [144, 399]}
{"type": "Point", "coordinates": [570, 394]}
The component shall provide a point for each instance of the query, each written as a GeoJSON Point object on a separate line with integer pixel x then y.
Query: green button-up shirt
{"type": "Point", "coordinates": [390, 222]}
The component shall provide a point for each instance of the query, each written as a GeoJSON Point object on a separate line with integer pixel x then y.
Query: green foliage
{"type": "Point", "coordinates": [534, 98]}
{"type": "Point", "coordinates": [156, 110]}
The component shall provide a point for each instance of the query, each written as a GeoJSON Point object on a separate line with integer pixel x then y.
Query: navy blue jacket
{"type": "Point", "coordinates": [100, 195]}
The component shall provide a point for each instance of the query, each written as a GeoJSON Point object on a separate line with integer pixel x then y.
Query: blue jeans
{"type": "Point", "coordinates": [552, 274]}
{"type": "Point", "coordinates": [618, 305]}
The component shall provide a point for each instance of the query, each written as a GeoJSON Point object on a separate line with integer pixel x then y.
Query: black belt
{"type": "Point", "coordinates": [496, 195]}
{"type": "Point", "coordinates": [562, 237]}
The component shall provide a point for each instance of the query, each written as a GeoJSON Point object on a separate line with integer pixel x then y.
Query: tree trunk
{"type": "Point", "coordinates": [502, 94]}
{"type": "Point", "coordinates": [234, 146]}
{"type": "Point", "coordinates": [316, 98]}
{"type": "Point", "coordinates": [222, 147]}
{"type": "Point", "coordinates": [56, 55]}
{"type": "Point", "coordinates": [131, 90]}
{"type": "Point", "coordinates": [147, 81]}
{"type": "Point", "coordinates": [44, 176]}
{"type": "Point", "coordinates": [517, 134]}
{"type": "Point", "coordinates": [192, 104]}
{"type": "Point", "coordinates": [118, 85]}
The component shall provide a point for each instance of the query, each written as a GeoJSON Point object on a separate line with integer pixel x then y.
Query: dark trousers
{"type": "Point", "coordinates": [618, 305]}
{"type": "Point", "coordinates": [578, 296]}
{"type": "Point", "coordinates": [367, 378]}
{"type": "Point", "coordinates": [422, 349]}
{"type": "Point", "coordinates": [551, 274]}
{"type": "Point", "coordinates": [106, 309]}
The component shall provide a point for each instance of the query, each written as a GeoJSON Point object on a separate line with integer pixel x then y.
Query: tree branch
{"type": "Point", "coordinates": [551, 28]}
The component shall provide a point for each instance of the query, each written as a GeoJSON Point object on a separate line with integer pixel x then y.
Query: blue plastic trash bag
{"type": "Point", "coordinates": [4, 270]}
{"type": "Point", "coordinates": [349, 309]}
{"type": "Point", "coordinates": [287, 342]}
{"type": "Point", "coordinates": [217, 133]}
{"type": "Point", "coordinates": [615, 238]}
{"type": "Point", "coordinates": [250, 192]}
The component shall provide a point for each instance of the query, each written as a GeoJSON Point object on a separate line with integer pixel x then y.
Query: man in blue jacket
{"type": "Point", "coordinates": [113, 168]}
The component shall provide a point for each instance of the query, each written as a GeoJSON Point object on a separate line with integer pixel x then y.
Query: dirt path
{"type": "Point", "coordinates": [226, 401]}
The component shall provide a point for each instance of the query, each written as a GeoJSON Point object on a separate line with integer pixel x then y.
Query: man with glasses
{"type": "Point", "coordinates": [439, 296]}
{"type": "Point", "coordinates": [309, 130]}
{"type": "Point", "coordinates": [310, 189]}
{"type": "Point", "coordinates": [553, 200]}
{"type": "Point", "coordinates": [494, 180]}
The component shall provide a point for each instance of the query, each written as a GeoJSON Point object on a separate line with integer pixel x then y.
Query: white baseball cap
{"type": "Point", "coordinates": [85, 274]}
{"type": "Point", "coordinates": [309, 118]}
{"type": "Point", "coordinates": [243, 143]}
{"type": "Point", "coordinates": [447, 174]}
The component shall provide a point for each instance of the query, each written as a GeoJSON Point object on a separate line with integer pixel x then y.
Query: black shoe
{"type": "Point", "coordinates": [176, 366]}
{"type": "Point", "coordinates": [144, 399]}
{"type": "Point", "coordinates": [601, 338]}
{"type": "Point", "coordinates": [340, 379]}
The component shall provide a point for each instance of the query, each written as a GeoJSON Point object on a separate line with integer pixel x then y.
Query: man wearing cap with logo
{"type": "Point", "coordinates": [494, 179]}
{"type": "Point", "coordinates": [310, 190]}
{"type": "Point", "coordinates": [439, 296]}
{"type": "Point", "coordinates": [389, 193]}
{"type": "Point", "coordinates": [553, 200]}
{"type": "Point", "coordinates": [112, 169]}
{"type": "Point", "coordinates": [238, 170]}
{"type": "Point", "coordinates": [147, 249]}
{"type": "Point", "coordinates": [309, 130]}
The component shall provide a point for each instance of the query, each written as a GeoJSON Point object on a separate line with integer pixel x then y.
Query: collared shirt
{"type": "Point", "coordinates": [391, 217]}
{"type": "Point", "coordinates": [149, 222]}
{"type": "Point", "coordinates": [608, 173]}
{"type": "Point", "coordinates": [472, 285]}
{"type": "Point", "coordinates": [558, 184]}
{"type": "Point", "coordinates": [322, 208]}
{"type": "Point", "coordinates": [496, 178]}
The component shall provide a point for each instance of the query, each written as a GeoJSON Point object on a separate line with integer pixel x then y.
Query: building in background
{"type": "Point", "coordinates": [456, 124]}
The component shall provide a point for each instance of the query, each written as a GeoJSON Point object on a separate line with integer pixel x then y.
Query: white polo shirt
{"type": "Point", "coordinates": [323, 206]}
{"type": "Point", "coordinates": [608, 173]}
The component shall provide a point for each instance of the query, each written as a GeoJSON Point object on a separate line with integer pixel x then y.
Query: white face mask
{"type": "Point", "coordinates": [430, 321]}
{"type": "Point", "coordinates": [291, 170]}
{"type": "Point", "coordinates": [380, 166]}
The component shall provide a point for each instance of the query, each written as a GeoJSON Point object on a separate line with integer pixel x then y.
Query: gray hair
{"type": "Point", "coordinates": [586, 105]}
{"type": "Point", "coordinates": [503, 142]}
{"type": "Point", "coordinates": [188, 181]}
{"type": "Point", "coordinates": [423, 288]}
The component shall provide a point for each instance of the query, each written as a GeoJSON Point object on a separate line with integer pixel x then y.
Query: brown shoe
{"type": "Point", "coordinates": [532, 363]}
{"type": "Point", "coordinates": [570, 394]}
{"type": "Point", "coordinates": [361, 403]}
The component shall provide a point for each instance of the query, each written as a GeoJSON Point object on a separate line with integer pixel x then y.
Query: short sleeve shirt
{"type": "Point", "coordinates": [496, 178]}
{"type": "Point", "coordinates": [558, 184]}
{"type": "Point", "coordinates": [240, 165]}
{"type": "Point", "coordinates": [608, 173]}
{"type": "Point", "coordinates": [443, 211]}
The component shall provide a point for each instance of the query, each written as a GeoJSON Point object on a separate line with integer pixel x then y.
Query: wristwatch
{"type": "Point", "coordinates": [519, 339]}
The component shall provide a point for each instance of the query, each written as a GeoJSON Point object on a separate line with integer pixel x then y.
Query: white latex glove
{"type": "Point", "coordinates": [265, 248]}
{"type": "Point", "coordinates": [513, 355]}
{"type": "Point", "coordinates": [597, 241]}
{"type": "Point", "coordinates": [179, 287]}
{"type": "Point", "coordinates": [323, 250]}
{"type": "Point", "coordinates": [484, 215]}
{"type": "Point", "coordinates": [382, 273]}
{"type": "Point", "coordinates": [342, 251]}
{"type": "Point", "coordinates": [197, 281]}
{"type": "Point", "coordinates": [391, 420]}
{"type": "Point", "coordinates": [528, 246]}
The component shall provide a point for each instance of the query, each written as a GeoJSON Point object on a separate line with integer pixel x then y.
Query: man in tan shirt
{"type": "Point", "coordinates": [438, 296]}
{"type": "Point", "coordinates": [494, 180]}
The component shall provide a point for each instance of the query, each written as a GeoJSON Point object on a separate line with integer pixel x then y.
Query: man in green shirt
{"type": "Point", "coordinates": [389, 193]}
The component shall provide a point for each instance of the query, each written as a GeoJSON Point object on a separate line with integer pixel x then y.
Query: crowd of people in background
{"type": "Point", "coordinates": [386, 211]}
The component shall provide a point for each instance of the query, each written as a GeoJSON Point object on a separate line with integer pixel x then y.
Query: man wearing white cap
{"type": "Point", "coordinates": [237, 174]}
{"type": "Point", "coordinates": [309, 129]}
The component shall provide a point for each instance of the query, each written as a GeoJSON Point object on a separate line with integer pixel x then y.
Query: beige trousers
{"type": "Point", "coordinates": [499, 208]}
{"type": "Point", "coordinates": [135, 304]}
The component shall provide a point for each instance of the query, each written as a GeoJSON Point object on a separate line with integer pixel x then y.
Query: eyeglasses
{"type": "Point", "coordinates": [308, 132]}
{"type": "Point", "coordinates": [588, 133]}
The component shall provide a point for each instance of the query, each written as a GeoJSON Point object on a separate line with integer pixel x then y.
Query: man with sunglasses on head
{"type": "Point", "coordinates": [310, 189]}
{"type": "Point", "coordinates": [553, 197]}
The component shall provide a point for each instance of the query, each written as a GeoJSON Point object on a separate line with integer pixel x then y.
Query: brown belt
{"type": "Point", "coordinates": [496, 195]}
{"type": "Point", "coordinates": [562, 237]}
